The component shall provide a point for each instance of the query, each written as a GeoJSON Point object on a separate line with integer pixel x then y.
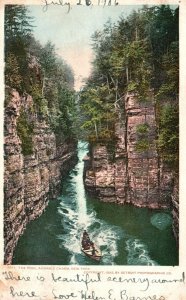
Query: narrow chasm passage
{"type": "Point", "coordinates": [126, 235]}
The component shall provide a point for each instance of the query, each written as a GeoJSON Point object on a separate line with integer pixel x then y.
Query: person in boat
{"type": "Point", "coordinates": [93, 250]}
{"type": "Point", "coordinates": [86, 243]}
{"type": "Point", "coordinates": [85, 235]}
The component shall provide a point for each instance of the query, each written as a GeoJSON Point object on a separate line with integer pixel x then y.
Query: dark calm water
{"type": "Point", "coordinates": [127, 235]}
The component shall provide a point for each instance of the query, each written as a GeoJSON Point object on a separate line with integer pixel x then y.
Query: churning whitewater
{"type": "Point", "coordinates": [76, 218]}
{"type": "Point", "coordinates": [127, 235]}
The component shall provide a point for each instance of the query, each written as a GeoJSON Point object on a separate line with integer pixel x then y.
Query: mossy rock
{"type": "Point", "coordinates": [25, 132]}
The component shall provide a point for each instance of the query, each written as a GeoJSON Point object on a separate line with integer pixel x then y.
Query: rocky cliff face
{"type": "Point", "coordinates": [30, 180]}
{"type": "Point", "coordinates": [175, 211]}
{"type": "Point", "coordinates": [136, 175]}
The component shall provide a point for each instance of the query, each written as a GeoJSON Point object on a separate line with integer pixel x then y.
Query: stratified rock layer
{"type": "Point", "coordinates": [175, 211]}
{"type": "Point", "coordinates": [29, 181]}
{"type": "Point", "coordinates": [136, 177]}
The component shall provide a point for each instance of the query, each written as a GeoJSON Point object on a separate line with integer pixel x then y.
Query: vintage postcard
{"type": "Point", "coordinates": [92, 150]}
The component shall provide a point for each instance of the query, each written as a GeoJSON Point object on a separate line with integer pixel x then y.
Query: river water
{"type": "Point", "coordinates": [126, 235]}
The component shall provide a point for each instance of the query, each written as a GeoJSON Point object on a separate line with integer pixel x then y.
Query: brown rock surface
{"type": "Point", "coordinates": [175, 211]}
{"type": "Point", "coordinates": [136, 177]}
{"type": "Point", "coordinates": [29, 180]}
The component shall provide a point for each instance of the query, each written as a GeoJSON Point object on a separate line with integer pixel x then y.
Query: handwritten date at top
{"type": "Point", "coordinates": [48, 3]}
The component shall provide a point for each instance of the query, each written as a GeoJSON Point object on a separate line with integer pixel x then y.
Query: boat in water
{"type": "Point", "coordinates": [89, 248]}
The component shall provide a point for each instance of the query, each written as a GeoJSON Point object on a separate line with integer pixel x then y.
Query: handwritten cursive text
{"type": "Point", "coordinates": [47, 3]}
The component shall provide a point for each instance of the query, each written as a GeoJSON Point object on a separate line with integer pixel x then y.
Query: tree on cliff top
{"type": "Point", "coordinates": [18, 30]}
{"type": "Point", "coordinates": [138, 54]}
{"type": "Point", "coordinates": [49, 80]}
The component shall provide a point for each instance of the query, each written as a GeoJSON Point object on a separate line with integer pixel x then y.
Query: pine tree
{"type": "Point", "coordinates": [18, 30]}
{"type": "Point", "coordinates": [138, 54]}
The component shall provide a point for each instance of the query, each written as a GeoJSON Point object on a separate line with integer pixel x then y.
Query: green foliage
{"type": "Point", "coordinates": [132, 86]}
{"type": "Point", "coordinates": [57, 97]}
{"type": "Point", "coordinates": [36, 93]}
{"type": "Point", "coordinates": [163, 32]}
{"type": "Point", "coordinates": [8, 96]}
{"type": "Point", "coordinates": [18, 30]}
{"type": "Point", "coordinates": [138, 55]}
{"type": "Point", "coordinates": [17, 21]}
{"type": "Point", "coordinates": [12, 74]}
{"type": "Point", "coordinates": [142, 145]}
{"type": "Point", "coordinates": [48, 58]}
{"type": "Point", "coordinates": [39, 72]}
{"type": "Point", "coordinates": [41, 104]}
{"type": "Point", "coordinates": [169, 88]}
{"type": "Point", "coordinates": [142, 128]}
{"type": "Point", "coordinates": [122, 63]}
{"type": "Point", "coordinates": [99, 114]}
{"type": "Point", "coordinates": [168, 140]}
{"type": "Point", "coordinates": [63, 116]}
{"type": "Point", "coordinates": [25, 131]}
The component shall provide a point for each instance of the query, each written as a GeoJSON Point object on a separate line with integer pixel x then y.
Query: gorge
{"type": "Point", "coordinates": [104, 158]}
{"type": "Point", "coordinates": [139, 178]}
{"type": "Point", "coordinates": [29, 181]}
{"type": "Point", "coordinates": [32, 180]}
{"type": "Point", "coordinates": [124, 233]}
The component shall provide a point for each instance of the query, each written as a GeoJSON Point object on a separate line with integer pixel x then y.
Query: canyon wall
{"type": "Point", "coordinates": [134, 172]}
{"type": "Point", "coordinates": [175, 210]}
{"type": "Point", "coordinates": [30, 180]}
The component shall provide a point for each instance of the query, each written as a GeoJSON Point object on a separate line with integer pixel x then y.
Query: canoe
{"type": "Point", "coordinates": [97, 256]}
